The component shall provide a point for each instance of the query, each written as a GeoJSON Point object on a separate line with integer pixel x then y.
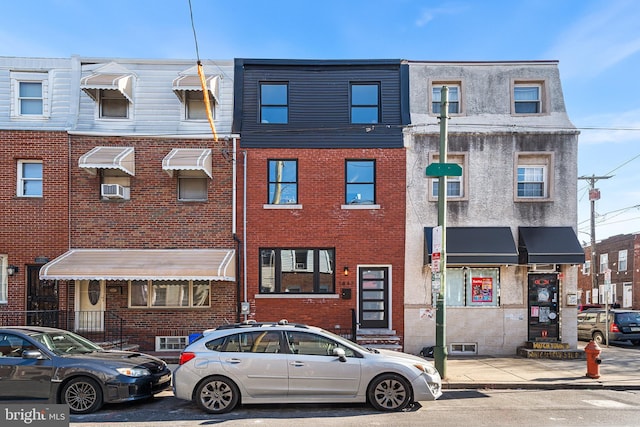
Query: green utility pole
{"type": "Point", "coordinates": [442, 169]}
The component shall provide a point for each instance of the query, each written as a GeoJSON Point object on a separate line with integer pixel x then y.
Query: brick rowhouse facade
{"type": "Point", "coordinates": [359, 236]}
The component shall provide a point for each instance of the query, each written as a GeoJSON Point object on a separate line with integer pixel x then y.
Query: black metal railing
{"type": "Point", "coordinates": [100, 326]}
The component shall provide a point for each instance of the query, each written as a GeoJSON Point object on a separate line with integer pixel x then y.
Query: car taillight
{"type": "Point", "coordinates": [185, 357]}
{"type": "Point", "coordinates": [614, 328]}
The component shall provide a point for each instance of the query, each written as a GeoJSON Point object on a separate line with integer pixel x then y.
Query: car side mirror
{"type": "Point", "coordinates": [339, 352]}
{"type": "Point", "coordinates": [32, 354]}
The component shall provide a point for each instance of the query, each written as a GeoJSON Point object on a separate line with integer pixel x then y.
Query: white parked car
{"type": "Point", "coordinates": [293, 363]}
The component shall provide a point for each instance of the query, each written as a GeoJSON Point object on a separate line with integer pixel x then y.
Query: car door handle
{"type": "Point", "coordinates": [297, 363]}
{"type": "Point", "coordinates": [233, 360]}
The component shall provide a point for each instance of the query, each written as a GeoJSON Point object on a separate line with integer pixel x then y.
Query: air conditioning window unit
{"type": "Point", "coordinates": [112, 191]}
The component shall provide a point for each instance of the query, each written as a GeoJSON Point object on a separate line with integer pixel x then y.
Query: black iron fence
{"type": "Point", "coordinates": [99, 326]}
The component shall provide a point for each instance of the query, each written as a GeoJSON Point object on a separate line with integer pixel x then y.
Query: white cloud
{"type": "Point", "coordinates": [428, 15]}
{"type": "Point", "coordinates": [599, 40]}
{"type": "Point", "coordinates": [610, 128]}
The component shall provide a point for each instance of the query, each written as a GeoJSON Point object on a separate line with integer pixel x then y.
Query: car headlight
{"type": "Point", "coordinates": [134, 372]}
{"type": "Point", "coordinates": [427, 369]}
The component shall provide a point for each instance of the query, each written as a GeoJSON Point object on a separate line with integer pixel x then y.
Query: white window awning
{"type": "Point", "coordinates": [192, 82]}
{"type": "Point", "coordinates": [93, 83]}
{"type": "Point", "coordinates": [195, 159]}
{"type": "Point", "coordinates": [122, 158]}
{"type": "Point", "coordinates": [142, 264]}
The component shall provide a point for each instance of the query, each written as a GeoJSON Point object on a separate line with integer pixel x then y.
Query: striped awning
{"type": "Point", "coordinates": [122, 158]}
{"type": "Point", "coordinates": [183, 83]}
{"type": "Point", "coordinates": [194, 159]}
{"type": "Point", "coordinates": [93, 83]}
{"type": "Point", "coordinates": [142, 264]}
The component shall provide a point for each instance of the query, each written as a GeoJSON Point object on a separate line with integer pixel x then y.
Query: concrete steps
{"type": "Point", "coordinates": [379, 338]}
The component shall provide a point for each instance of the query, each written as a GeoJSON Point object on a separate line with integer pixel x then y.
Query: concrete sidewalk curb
{"type": "Point", "coordinates": [538, 386]}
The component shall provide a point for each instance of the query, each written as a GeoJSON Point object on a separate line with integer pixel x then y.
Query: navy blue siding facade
{"type": "Point", "coordinates": [319, 103]}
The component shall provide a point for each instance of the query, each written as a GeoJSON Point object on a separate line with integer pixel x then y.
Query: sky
{"type": "Point", "coordinates": [597, 44]}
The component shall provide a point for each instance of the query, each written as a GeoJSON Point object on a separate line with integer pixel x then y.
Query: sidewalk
{"type": "Point", "coordinates": [620, 370]}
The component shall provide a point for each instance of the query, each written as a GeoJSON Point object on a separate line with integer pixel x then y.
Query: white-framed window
{"type": "Point", "coordinates": [194, 106]}
{"type": "Point", "coordinates": [473, 287]}
{"type": "Point", "coordinates": [4, 278]}
{"type": "Point", "coordinates": [456, 185]}
{"type": "Point", "coordinates": [453, 97]}
{"type": "Point", "coordinates": [604, 262]}
{"type": "Point", "coordinates": [586, 268]}
{"type": "Point", "coordinates": [113, 105]}
{"type": "Point", "coordinates": [171, 343]}
{"type": "Point", "coordinates": [192, 186]}
{"type": "Point", "coordinates": [528, 97]}
{"type": "Point", "coordinates": [112, 177]}
{"type": "Point", "coordinates": [622, 260]}
{"type": "Point", "coordinates": [169, 293]}
{"type": "Point", "coordinates": [29, 178]}
{"type": "Point", "coordinates": [29, 94]}
{"type": "Point", "coordinates": [533, 173]}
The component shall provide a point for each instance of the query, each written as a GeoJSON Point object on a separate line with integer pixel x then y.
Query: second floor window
{"type": "Point", "coordinates": [527, 99]}
{"type": "Point", "coordinates": [365, 103]}
{"type": "Point", "coordinates": [360, 186]}
{"type": "Point", "coordinates": [604, 262]}
{"type": "Point", "coordinates": [29, 178]}
{"type": "Point", "coordinates": [274, 103]}
{"type": "Point", "coordinates": [192, 186]}
{"type": "Point", "coordinates": [586, 268]}
{"type": "Point", "coordinates": [622, 260]}
{"type": "Point", "coordinates": [453, 99]}
{"type": "Point", "coordinates": [283, 182]}
{"type": "Point", "coordinates": [531, 182]}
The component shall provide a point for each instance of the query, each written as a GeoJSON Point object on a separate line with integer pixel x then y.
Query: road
{"type": "Point", "coordinates": [456, 408]}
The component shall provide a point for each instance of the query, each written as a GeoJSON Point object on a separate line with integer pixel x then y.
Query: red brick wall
{"type": "Point", "coordinates": [369, 236]}
{"type": "Point", "coordinates": [32, 227]}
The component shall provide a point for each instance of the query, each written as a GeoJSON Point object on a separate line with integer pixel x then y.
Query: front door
{"type": "Point", "coordinates": [42, 299]}
{"type": "Point", "coordinates": [543, 307]}
{"type": "Point", "coordinates": [90, 303]}
{"type": "Point", "coordinates": [373, 297]}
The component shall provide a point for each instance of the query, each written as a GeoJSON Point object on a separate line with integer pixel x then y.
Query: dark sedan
{"type": "Point", "coordinates": [63, 367]}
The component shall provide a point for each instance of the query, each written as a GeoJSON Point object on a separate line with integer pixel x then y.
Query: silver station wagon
{"type": "Point", "coordinates": [294, 363]}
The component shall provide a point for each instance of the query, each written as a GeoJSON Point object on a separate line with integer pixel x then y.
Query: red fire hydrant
{"type": "Point", "coordinates": [593, 359]}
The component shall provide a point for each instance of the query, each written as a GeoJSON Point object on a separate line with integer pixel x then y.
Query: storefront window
{"type": "Point", "coordinates": [472, 287]}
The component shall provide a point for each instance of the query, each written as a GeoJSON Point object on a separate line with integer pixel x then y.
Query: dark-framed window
{"type": "Point", "coordinates": [365, 103]}
{"type": "Point", "coordinates": [274, 102]}
{"type": "Point", "coordinates": [283, 181]}
{"type": "Point", "coordinates": [297, 270]}
{"type": "Point", "coordinates": [360, 182]}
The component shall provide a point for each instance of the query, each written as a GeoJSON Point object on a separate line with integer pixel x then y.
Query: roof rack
{"type": "Point", "coordinates": [250, 323]}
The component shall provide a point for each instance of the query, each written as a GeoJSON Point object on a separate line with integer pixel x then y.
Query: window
{"type": "Point", "coordinates": [604, 263]}
{"type": "Point", "coordinates": [283, 182]}
{"type": "Point", "coordinates": [29, 178]}
{"type": "Point", "coordinates": [169, 293]}
{"type": "Point", "coordinates": [533, 175]}
{"type": "Point", "coordinates": [531, 181]}
{"type": "Point", "coordinates": [472, 287]}
{"type": "Point", "coordinates": [112, 178]}
{"type": "Point", "coordinates": [527, 98]}
{"type": "Point", "coordinates": [360, 186]}
{"type": "Point", "coordinates": [195, 108]}
{"type": "Point", "coordinates": [29, 94]}
{"type": "Point", "coordinates": [297, 270]}
{"type": "Point", "coordinates": [113, 105]}
{"type": "Point", "coordinates": [248, 342]}
{"type": "Point", "coordinates": [456, 185]}
{"type": "Point", "coordinates": [274, 103]}
{"type": "Point", "coordinates": [586, 268]}
{"type": "Point", "coordinates": [314, 345]}
{"type": "Point", "coordinates": [365, 103]}
{"type": "Point", "coordinates": [192, 186]}
{"type": "Point", "coordinates": [171, 343]}
{"type": "Point", "coordinates": [622, 260]}
{"type": "Point", "coordinates": [4, 278]}
{"type": "Point", "coordinates": [453, 98]}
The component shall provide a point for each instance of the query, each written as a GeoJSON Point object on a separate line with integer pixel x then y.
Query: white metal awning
{"type": "Point", "coordinates": [122, 158]}
{"type": "Point", "coordinates": [192, 82]}
{"type": "Point", "coordinates": [195, 159]}
{"type": "Point", "coordinates": [93, 83]}
{"type": "Point", "coordinates": [142, 264]}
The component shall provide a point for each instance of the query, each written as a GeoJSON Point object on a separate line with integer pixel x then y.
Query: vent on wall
{"type": "Point", "coordinates": [112, 191]}
{"type": "Point", "coordinates": [463, 348]}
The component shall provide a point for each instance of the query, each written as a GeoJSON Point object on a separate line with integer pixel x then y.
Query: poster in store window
{"type": "Point", "coordinates": [482, 289]}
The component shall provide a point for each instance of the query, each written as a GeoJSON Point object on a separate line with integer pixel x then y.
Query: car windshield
{"type": "Point", "coordinates": [64, 343]}
{"type": "Point", "coordinates": [627, 318]}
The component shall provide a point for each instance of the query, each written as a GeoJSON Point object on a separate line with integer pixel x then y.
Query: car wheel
{"type": "Point", "coordinates": [217, 395]}
{"type": "Point", "coordinates": [389, 392]}
{"type": "Point", "coordinates": [598, 338]}
{"type": "Point", "coordinates": [83, 395]}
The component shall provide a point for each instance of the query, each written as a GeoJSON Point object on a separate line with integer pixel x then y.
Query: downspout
{"type": "Point", "coordinates": [234, 205]}
{"type": "Point", "coordinates": [244, 225]}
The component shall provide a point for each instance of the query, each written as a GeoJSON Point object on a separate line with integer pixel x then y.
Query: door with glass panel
{"type": "Point", "coordinates": [373, 297]}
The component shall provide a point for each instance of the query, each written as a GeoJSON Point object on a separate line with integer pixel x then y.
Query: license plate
{"type": "Point", "coordinates": [635, 329]}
